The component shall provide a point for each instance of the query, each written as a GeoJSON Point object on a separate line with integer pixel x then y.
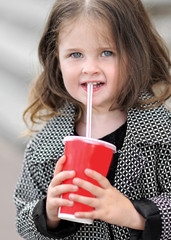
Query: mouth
{"type": "Point", "coordinates": [96, 85]}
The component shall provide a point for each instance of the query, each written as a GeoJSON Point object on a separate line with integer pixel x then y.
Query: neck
{"type": "Point", "coordinates": [103, 123]}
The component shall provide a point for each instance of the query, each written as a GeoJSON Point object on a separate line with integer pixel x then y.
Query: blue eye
{"type": "Point", "coordinates": [107, 53]}
{"type": "Point", "coordinates": [76, 55]}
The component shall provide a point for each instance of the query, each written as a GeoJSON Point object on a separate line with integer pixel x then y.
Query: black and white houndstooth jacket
{"type": "Point", "coordinates": [143, 173]}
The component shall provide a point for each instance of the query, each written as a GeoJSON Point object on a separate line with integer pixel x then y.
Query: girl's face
{"type": "Point", "coordinates": [87, 53]}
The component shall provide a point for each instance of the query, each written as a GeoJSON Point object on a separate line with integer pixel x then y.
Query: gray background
{"type": "Point", "coordinates": [21, 24]}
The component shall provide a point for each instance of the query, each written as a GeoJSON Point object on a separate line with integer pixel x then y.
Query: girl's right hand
{"type": "Point", "coordinates": [55, 189]}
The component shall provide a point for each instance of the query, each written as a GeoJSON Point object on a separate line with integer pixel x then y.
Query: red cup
{"type": "Point", "coordinates": [82, 153]}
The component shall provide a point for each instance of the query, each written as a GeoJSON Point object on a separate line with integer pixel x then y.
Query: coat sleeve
{"type": "Point", "coordinates": [163, 201]}
{"type": "Point", "coordinates": [64, 229]}
{"type": "Point", "coordinates": [157, 210]}
{"type": "Point", "coordinates": [151, 213]}
{"type": "Point", "coordinates": [28, 194]}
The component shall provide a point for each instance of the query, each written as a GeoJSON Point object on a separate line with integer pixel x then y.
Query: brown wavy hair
{"type": "Point", "coordinates": [148, 62]}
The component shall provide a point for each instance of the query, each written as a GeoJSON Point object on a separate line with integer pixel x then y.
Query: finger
{"type": "Point", "coordinates": [62, 176]}
{"type": "Point", "coordinates": [90, 201]}
{"type": "Point", "coordinates": [90, 215]}
{"type": "Point", "coordinates": [93, 189]}
{"type": "Point", "coordinates": [59, 165]}
{"type": "Point", "coordinates": [59, 202]}
{"type": "Point", "coordinates": [64, 188]}
{"type": "Point", "coordinates": [103, 181]}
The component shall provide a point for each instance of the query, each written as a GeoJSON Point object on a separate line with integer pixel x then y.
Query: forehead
{"type": "Point", "coordinates": [84, 29]}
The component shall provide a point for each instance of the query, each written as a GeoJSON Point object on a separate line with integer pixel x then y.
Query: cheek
{"type": "Point", "coordinates": [67, 70]}
{"type": "Point", "coordinates": [65, 73]}
{"type": "Point", "coordinates": [68, 79]}
{"type": "Point", "coordinates": [67, 83]}
{"type": "Point", "coordinates": [111, 69]}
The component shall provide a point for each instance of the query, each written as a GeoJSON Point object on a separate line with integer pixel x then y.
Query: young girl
{"type": "Point", "coordinates": [112, 44]}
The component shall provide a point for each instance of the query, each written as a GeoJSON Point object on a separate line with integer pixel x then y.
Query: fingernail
{"type": "Point", "coordinates": [71, 196]}
{"type": "Point", "coordinates": [87, 170]}
{"type": "Point", "coordinates": [72, 172]}
{"type": "Point", "coordinates": [75, 180]}
{"type": "Point", "coordinates": [77, 214]}
{"type": "Point", "coordinates": [75, 188]}
{"type": "Point", "coordinates": [70, 203]}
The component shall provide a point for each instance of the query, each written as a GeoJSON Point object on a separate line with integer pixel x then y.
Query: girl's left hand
{"type": "Point", "coordinates": [109, 204]}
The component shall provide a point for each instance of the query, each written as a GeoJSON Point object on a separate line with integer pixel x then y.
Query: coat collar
{"type": "Point", "coordinates": [143, 127]}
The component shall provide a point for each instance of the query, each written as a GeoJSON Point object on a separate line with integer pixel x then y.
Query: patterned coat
{"type": "Point", "coordinates": [143, 174]}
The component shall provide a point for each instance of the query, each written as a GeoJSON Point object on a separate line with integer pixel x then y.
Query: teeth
{"type": "Point", "coordinates": [96, 84]}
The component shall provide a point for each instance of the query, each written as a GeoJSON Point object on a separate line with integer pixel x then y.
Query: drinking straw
{"type": "Point", "coordinates": [89, 109]}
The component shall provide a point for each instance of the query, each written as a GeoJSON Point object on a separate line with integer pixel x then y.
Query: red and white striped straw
{"type": "Point", "coordinates": [89, 109]}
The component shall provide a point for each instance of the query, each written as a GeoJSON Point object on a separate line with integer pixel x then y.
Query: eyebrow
{"type": "Point", "coordinates": [99, 49]}
{"type": "Point", "coordinates": [73, 50]}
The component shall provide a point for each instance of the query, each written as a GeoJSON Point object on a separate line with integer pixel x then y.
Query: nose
{"type": "Point", "coordinates": [91, 67]}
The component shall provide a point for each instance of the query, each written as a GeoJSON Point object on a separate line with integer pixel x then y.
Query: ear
{"type": "Point", "coordinates": [158, 88]}
{"type": "Point", "coordinates": [167, 104]}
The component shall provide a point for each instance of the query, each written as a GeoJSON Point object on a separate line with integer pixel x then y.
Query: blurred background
{"type": "Point", "coordinates": [21, 25]}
